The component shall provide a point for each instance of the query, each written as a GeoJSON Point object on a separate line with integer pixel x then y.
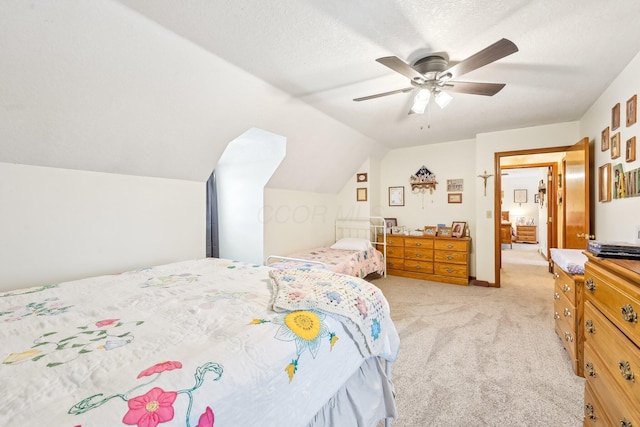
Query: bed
{"type": "Point", "coordinates": [198, 343]}
{"type": "Point", "coordinates": [357, 250]}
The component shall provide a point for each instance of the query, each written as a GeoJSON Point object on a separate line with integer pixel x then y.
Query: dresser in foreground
{"type": "Point", "coordinates": [612, 342]}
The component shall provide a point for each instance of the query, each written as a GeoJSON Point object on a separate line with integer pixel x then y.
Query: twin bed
{"type": "Point", "coordinates": [198, 343]}
{"type": "Point", "coordinates": [357, 250]}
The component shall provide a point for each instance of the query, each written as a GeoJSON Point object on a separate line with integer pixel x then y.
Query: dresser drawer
{"type": "Point", "coordinates": [453, 270]}
{"type": "Point", "coordinates": [565, 310]}
{"type": "Point", "coordinates": [568, 337]}
{"type": "Point", "coordinates": [418, 266]}
{"type": "Point", "coordinates": [395, 251]}
{"type": "Point", "coordinates": [450, 256]}
{"type": "Point", "coordinates": [594, 413]}
{"type": "Point", "coordinates": [410, 242]}
{"type": "Point", "coordinates": [450, 245]}
{"type": "Point", "coordinates": [565, 284]}
{"type": "Point", "coordinates": [614, 405]}
{"type": "Point", "coordinates": [395, 263]}
{"type": "Point", "coordinates": [618, 299]}
{"type": "Point", "coordinates": [418, 254]}
{"type": "Point", "coordinates": [618, 355]}
{"type": "Point", "coordinates": [394, 241]}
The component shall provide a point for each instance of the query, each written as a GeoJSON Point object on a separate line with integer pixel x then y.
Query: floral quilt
{"type": "Point", "coordinates": [352, 263]}
{"type": "Point", "coordinates": [194, 343]}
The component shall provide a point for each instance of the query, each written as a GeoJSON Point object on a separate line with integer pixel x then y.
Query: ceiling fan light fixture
{"type": "Point", "coordinates": [442, 99]}
{"type": "Point", "coordinates": [420, 101]}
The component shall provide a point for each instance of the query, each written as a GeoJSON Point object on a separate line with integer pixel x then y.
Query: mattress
{"type": "Point", "coordinates": [186, 343]}
{"type": "Point", "coordinates": [570, 260]}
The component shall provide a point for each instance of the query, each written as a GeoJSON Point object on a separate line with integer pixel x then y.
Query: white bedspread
{"type": "Point", "coordinates": [175, 345]}
{"type": "Point", "coordinates": [570, 260]}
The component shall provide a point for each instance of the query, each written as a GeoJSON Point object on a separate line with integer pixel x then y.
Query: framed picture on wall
{"type": "Point", "coordinates": [631, 110]}
{"type": "Point", "coordinates": [454, 197]}
{"type": "Point", "coordinates": [361, 194]}
{"type": "Point", "coordinates": [631, 149]}
{"type": "Point", "coordinates": [615, 146]}
{"type": "Point", "coordinates": [615, 117]}
{"type": "Point", "coordinates": [396, 196]}
{"type": "Point", "coordinates": [604, 183]}
{"type": "Point", "coordinates": [520, 195]}
{"type": "Point", "coordinates": [604, 140]}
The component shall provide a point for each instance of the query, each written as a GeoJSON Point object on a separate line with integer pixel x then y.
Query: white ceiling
{"type": "Point", "coordinates": [323, 52]}
{"type": "Point", "coordinates": [159, 88]}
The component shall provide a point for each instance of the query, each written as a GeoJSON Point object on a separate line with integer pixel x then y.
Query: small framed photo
{"type": "Point", "coordinates": [396, 196]}
{"type": "Point", "coordinates": [444, 231]}
{"type": "Point", "coordinates": [361, 194]}
{"type": "Point", "coordinates": [454, 185]}
{"type": "Point", "coordinates": [604, 183]}
{"type": "Point", "coordinates": [520, 196]}
{"type": "Point", "coordinates": [362, 177]}
{"type": "Point", "coordinates": [454, 197]}
{"type": "Point", "coordinates": [615, 146]}
{"type": "Point", "coordinates": [430, 230]}
{"type": "Point", "coordinates": [615, 117]}
{"type": "Point", "coordinates": [604, 140]}
{"type": "Point", "coordinates": [457, 228]}
{"type": "Point", "coordinates": [390, 223]}
{"type": "Point", "coordinates": [632, 105]}
{"type": "Point", "coordinates": [631, 149]}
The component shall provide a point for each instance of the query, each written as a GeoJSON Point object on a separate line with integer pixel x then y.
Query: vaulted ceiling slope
{"type": "Point", "coordinates": [96, 86]}
{"type": "Point", "coordinates": [158, 88]}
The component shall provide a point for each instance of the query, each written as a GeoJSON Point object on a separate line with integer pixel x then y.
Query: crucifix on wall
{"type": "Point", "coordinates": [485, 176]}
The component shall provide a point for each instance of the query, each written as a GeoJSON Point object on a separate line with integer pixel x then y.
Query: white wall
{"type": "Point", "coordinates": [616, 220]}
{"type": "Point", "coordinates": [60, 224]}
{"type": "Point", "coordinates": [561, 134]}
{"type": "Point", "coordinates": [296, 220]}
{"type": "Point", "coordinates": [451, 160]}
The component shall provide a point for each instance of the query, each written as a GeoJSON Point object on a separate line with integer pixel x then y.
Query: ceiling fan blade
{"type": "Point", "coordinates": [498, 50]}
{"type": "Point", "coordinates": [486, 89]}
{"type": "Point", "coordinates": [399, 66]}
{"type": "Point", "coordinates": [379, 95]}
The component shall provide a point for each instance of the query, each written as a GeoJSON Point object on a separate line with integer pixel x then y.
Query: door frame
{"type": "Point", "coordinates": [552, 208]}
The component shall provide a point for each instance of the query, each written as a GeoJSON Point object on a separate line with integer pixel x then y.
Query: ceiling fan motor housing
{"type": "Point", "coordinates": [431, 64]}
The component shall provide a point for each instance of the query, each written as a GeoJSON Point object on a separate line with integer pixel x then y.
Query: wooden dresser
{"type": "Point", "coordinates": [441, 259]}
{"type": "Point", "coordinates": [568, 303]}
{"type": "Point", "coordinates": [612, 342]}
{"type": "Point", "coordinates": [527, 233]}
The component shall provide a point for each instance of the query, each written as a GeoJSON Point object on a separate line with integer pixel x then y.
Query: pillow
{"type": "Point", "coordinates": [352, 244]}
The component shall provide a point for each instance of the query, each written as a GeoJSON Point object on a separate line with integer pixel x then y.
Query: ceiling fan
{"type": "Point", "coordinates": [433, 76]}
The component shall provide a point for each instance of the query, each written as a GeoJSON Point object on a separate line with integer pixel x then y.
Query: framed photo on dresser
{"type": "Point", "coordinates": [457, 228]}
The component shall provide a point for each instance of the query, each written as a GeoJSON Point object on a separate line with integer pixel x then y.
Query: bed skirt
{"type": "Point", "coordinates": [365, 399]}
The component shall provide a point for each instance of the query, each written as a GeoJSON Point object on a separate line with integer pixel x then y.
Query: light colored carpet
{"type": "Point", "coordinates": [476, 356]}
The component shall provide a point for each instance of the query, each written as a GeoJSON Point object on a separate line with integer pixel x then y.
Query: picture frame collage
{"type": "Point", "coordinates": [613, 181]}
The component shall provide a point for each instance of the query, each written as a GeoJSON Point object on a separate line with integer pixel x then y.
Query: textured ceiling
{"type": "Point", "coordinates": [323, 53]}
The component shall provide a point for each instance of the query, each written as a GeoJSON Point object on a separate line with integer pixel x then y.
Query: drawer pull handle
{"type": "Point", "coordinates": [589, 412]}
{"type": "Point", "coordinates": [418, 267]}
{"type": "Point", "coordinates": [567, 312]}
{"type": "Point", "coordinates": [556, 295]}
{"type": "Point", "coordinates": [625, 423]}
{"type": "Point", "coordinates": [588, 326]}
{"type": "Point", "coordinates": [419, 244]}
{"type": "Point", "coordinates": [566, 288]}
{"type": "Point", "coordinates": [556, 316]}
{"type": "Point", "coordinates": [625, 371]}
{"type": "Point", "coordinates": [449, 270]}
{"type": "Point", "coordinates": [568, 337]}
{"type": "Point", "coordinates": [449, 246]}
{"type": "Point", "coordinates": [449, 257]}
{"type": "Point", "coordinates": [628, 314]}
{"type": "Point", "coordinates": [418, 255]}
{"type": "Point", "coordinates": [588, 369]}
{"type": "Point", "coordinates": [556, 275]}
{"type": "Point", "coordinates": [590, 284]}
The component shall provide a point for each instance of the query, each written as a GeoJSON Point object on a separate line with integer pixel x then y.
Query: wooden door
{"type": "Point", "coordinates": [577, 227]}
